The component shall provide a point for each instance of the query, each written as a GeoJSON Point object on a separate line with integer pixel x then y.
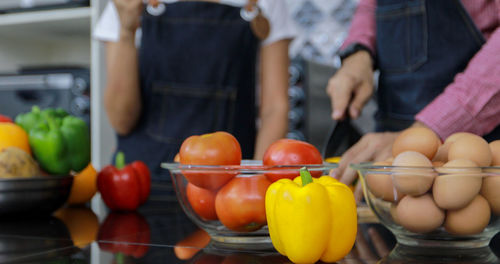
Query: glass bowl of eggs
{"type": "Point", "coordinates": [433, 194]}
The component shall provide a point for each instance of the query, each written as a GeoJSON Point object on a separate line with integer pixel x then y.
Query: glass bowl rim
{"type": "Point", "coordinates": [370, 166]}
{"type": "Point", "coordinates": [248, 167]}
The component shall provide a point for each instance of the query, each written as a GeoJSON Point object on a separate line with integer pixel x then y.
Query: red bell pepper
{"type": "Point", "coordinates": [5, 119]}
{"type": "Point", "coordinates": [124, 187]}
{"type": "Point", "coordinates": [125, 234]}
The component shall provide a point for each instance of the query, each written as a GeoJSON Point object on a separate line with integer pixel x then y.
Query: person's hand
{"type": "Point", "coordinates": [129, 12]}
{"type": "Point", "coordinates": [352, 85]}
{"type": "Point", "coordinates": [371, 147]}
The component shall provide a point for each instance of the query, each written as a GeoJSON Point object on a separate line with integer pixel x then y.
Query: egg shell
{"type": "Point", "coordinates": [471, 147]}
{"type": "Point", "coordinates": [490, 190]}
{"type": "Point", "coordinates": [419, 139]}
{"type": "Point", "coordinates": [409, 180]}
{"type": "Point", "coordinates": [469, 220]}
{"type": "Point", "coordinates": [419, 214]}
{"type": "Point", "coordinates": [437, 164]}
{"type": "Point", "coordinates": [442, 153]}
{"type": "Point", "coordinates": [457, 185]}
{"type": "Point", "coordinates": [491, 184]}
{"type": "Point", "coordinates": [393, 211]}
{"type": "Point", "coordinates": [380, 183]}
{"type": "Point", "coordinates": [495, 152]}
{"type": "Point", "coordinates": [453, 137]}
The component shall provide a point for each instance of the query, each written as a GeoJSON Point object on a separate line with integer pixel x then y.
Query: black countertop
{"type": "Point", "coordinates": [150, 235]}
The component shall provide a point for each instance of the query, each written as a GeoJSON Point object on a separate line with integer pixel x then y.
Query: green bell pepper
{"type": "Point", "coordinates": [60, 142]}
{"type": "Point", "coordinates": [30, 120]}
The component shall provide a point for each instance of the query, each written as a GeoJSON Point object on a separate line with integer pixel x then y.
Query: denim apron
{"type": "Point", "coordinates": [197, 64]}
{"type": "Point", "coordinates": [421, 46]}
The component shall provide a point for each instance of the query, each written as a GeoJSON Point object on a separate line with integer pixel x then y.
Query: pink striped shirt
{"type": "Point", "coordinates": [472, 101]}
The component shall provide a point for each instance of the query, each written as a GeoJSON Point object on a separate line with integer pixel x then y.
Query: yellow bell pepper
{"type": "Point", "coordinates": [311, 219]}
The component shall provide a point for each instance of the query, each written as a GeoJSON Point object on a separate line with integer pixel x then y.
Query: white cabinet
{"type": "Point", "coordinates": [103, 137]}
{"type": "Point", "coordinates": [61, 37]}
{"type": "Point", "coordinates": [50, 37]}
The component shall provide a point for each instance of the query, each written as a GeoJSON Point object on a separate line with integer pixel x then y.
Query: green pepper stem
{"type": "Point", "coordinates": [52, 123]}
{"type": "Point", "coordinates": [305, 176]}
{"type": "Point", "coordinates": [35, 109]}
{"type": "Point", "coordinates": [120, 160]}
{"type": "Point", "coordinates": [120, 258]}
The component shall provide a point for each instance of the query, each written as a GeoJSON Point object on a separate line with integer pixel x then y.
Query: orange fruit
{"type": "Point", "coordinates": [84, 186]}
{"type": "Point", "coordinates": [82, 224]}
{"type": "Point", "coordinates": [12, 135]}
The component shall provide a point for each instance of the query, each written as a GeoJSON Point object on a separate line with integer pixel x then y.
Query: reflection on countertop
{"type": "Point", "coordinates": [161, 233]}
{"type": "Point", "coordinates": [410, 255]}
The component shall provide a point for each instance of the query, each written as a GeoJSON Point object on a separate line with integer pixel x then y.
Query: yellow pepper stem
{"type": "Point", "coordinates": [305, 176]}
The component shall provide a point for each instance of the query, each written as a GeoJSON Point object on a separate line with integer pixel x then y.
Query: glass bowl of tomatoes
{"type": "Point", "coordinates": [228, 201]}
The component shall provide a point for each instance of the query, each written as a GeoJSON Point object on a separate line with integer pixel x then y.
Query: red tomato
{"type": "Point", "coordinates": [191, 244]}
{"type": "Point", "coordinates": [202, 201]}
{"type": "Point", "coordinates": [5, 119]}
{"type": "Point", "coordinates": [291, 152]}
{"type": "Point", "coordinates": [240, 204]}
{"type": "Point", "coordinates": [219, 148]}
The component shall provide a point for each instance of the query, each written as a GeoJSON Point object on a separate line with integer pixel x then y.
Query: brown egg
{"type": "Point", "coordinates": [412, 181]}
{"type": "Point", "coordinates": [470, 147]}
{"type": "Point", "coordinates": [442, 153]}
{"type": "Point", "coordinates": [419, 214]}
{"type": "Point", "coordinates": [393, 211]}
{"type": "Point", "coordinates": [490, 190]}
{"type": "Point", "coordinates": [379, 182]}
{"type": "Point", "coordinates": [453, 137]}
{"type": "Point", "coordinates": [495, 152]}
{"type": "Point", "coordinates": [459, 181]}
{"type": "Point", "coordinates": [469, 220]}
{"type": "Point", "coordinates": [419, 139]}
{"type": "Point", "coordinates": [491, 184]}
{"type": "Point", "coordinates": [437, 164]}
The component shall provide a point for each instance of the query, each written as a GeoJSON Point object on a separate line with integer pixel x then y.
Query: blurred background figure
{"type": "Point", "coordinates": [195, 68]}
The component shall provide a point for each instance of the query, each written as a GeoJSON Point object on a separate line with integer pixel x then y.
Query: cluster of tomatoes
{"type": "Point", "coordinates": [237, 202]}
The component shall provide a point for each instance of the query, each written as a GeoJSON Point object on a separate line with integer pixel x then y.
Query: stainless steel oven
{"type": "Point", "coordinates": [68, 88]}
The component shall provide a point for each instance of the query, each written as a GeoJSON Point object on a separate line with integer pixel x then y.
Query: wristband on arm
{"type": "Point", "coordinates": [353, 48]}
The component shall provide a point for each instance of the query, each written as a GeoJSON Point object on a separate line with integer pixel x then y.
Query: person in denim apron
{"type": "Point", "coordinates": [194, 73]}
{"type": "Point", "coordinates": [197, 87]}
{"type": "Point", "coordinates": [197, 65]}
{"type": "Point", "coordinates": [420, 48]}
